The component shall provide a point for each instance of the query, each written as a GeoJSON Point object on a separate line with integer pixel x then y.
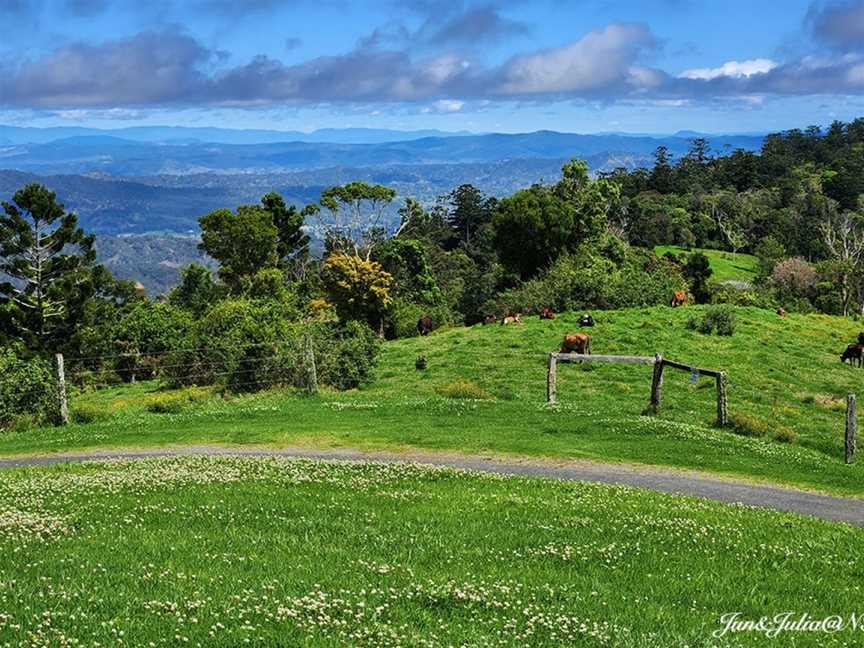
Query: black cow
{"type": "Point", "coordinates": [425, 325]}
{"type": "Point", "coordinates": [586, 320]}
{"type": "Point", "coordinates": [853, 353]}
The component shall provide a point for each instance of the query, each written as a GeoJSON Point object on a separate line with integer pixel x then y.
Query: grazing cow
{"type": "Point", "coordinates": [576, 343]}
{"type": "Point", "coordinates": [853, 353]}
{"type": "Point", "coordinates": [490, 319]}
{"type": "Point", "coordinates": [781, 312]}
{"type": "Point", "coordinates": [547, 314]}
{"type": "Point", "coordinates": [586, 320]}
{"type": "Point", "coordinates": [512, 319]}
{"type": "Point", "coordinates": [679, 298]}
{"type": "Point", "coordinates": [425, 325]}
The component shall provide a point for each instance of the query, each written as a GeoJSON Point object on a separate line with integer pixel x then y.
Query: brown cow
{"type": "Point", "coordinates": [547, 314]}
{"type": "Point", "coordinates": [425, 325]}
{"type": "Point", "coordinates": [512, 319]}
{"type": "Point", "coordinates": [679, 298]}
{"type": "Point", "coordinates": [853, 353]}
{"type": "Point", "coordinates": [490, 319]}
{"type": "Point", "coordinates": [576, 343]}
{"type": "Point", "coordinates": [781, 312]}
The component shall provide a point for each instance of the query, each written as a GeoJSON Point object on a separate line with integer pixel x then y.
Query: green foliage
{"type": "Point", "coordinates": [86, 413]}
{"type": "Point", "coordinates": [535, 226]}
{"type": "Point", "coordinates": [356, 210]}
{"type": "Point", "coordinates": [146, 334]}
{"type": "Point", "coordinates": [587, 280]}
{"type": "Point", "coordinates": [243, 243]}
{"type": "Point", "coordinates": [697, 270]}
{"type": "Point", "coordinates": [405, 261]}
{"type": "Point", "coordinates": [288, 221]}
{"type": "Point", "coordinates": [346, 356]}
{"type": "Point", "coordinates": [470, 214]}
{"type": "Point", "coordinates": [197, 291]}
{"type": "Point", "coordinates": [48, 269]}
{"type": "Point", "coordinates": [719, 318]}
{"type": "Point", "coordinates": [27, 389]}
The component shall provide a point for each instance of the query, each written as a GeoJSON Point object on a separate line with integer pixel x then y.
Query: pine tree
{"type": "Point", "coordinates": [48, 264]}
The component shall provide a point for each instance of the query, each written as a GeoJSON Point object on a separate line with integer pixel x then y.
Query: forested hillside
{"type": "Point", "coordinates": [579, 242]}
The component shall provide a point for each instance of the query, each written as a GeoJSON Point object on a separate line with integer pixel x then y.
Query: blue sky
{"type": "Point", "coordinates": [480, 65]}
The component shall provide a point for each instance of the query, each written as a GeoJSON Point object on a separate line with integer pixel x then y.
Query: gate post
{"type": "Point", "coordinates": [722, 413]}
{"type": "Point", "coordinates": [62, 403]}
{"type": "Point", "coordinates": [656, 384]}
{"type": "Point", "coordinates": [851, 428]}
{"type": "Point", "coordinates": [551, 372]}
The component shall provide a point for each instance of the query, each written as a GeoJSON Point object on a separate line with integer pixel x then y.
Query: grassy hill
{"type": "Point", "coordinates": [484, 392]}
{"type": "Point", "coordinates": [725, 265]}
{"type": "Point", "coordinates": [274, 552]}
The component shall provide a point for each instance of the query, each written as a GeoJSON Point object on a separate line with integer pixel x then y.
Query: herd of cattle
{"type": "Point", "coordinates": [581, 342]}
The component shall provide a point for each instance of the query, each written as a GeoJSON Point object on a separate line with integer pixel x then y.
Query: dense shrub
{"type": "Point", "coordinates": [241, 343]}
{"type": "Point", "coordinates": [795, 278]}
{"type": "Point", "coordinates": [27, 389]}
{"type": "Point", "coordinates": [403, 317]}
{"type": "Point", "coordinates": [590, 280]}
{"type": "Point", "coordinates": [247, 345]}
{"type": "Point", "coordinates": [345, 356]}
{"type": "Point", "coordinates": [718, 319]}
{"type": "Point", "coordinates": [146, 334]}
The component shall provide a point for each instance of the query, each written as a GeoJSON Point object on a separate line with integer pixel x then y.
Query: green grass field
{"type": "Point", "coordinates": [275, 552]}
{"type": "Point", "coordinates": [484, 392]}
{"type": "Point", "coordinates": [725, 265]}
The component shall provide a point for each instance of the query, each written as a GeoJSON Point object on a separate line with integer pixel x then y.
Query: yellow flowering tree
{"type": "Point", "coordinates": [358, 288]}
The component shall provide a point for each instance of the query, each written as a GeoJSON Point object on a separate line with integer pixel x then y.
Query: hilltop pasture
{"type": "Point", "coordinates": [483, 392]}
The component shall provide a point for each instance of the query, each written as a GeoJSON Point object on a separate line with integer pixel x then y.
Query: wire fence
{"type": "Point", "coordinates": [291, 363]}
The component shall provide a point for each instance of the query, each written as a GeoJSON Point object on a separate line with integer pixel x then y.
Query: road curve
{"type": "Point", "coordinates": [826, 507]}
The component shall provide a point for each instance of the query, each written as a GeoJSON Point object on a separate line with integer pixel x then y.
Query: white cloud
{"type": "Point", "coordinates": [731, 69]}
{"type": "Point", "coordinates": [601, 58]}
{"type": "Point", "coordinates": [448, 105]}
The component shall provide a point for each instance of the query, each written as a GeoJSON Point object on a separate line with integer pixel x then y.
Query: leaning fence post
{"type": "Point", "coordinates": [550, 378]}
{"type": "Point", "coordinates": [62, 403]}
{"type": "Point", "coordinates": [656, 384]}
{"type": "Point", "coordinates": [851, 428]}
{"type": "Point", "coordinates": [311, 371]}
{"type": "Point", "coordinates": [722, 413]}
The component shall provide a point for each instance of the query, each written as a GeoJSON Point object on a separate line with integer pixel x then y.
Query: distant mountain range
{"type": "Point", "coordinates": [139, 188]}
{"type": "Point", "coordinates": [188, 135]}
{"type": "Point", "coordinates": [118, 156]}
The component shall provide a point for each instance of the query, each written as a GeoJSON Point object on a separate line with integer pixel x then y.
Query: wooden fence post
{"type": "Point", "coordinates": [311, 371]}
{"type": "Point", "coordinates": [722, 412]}
{"type": "Point", "coordinates": [550, 378]}
{"type": "Point", "coordinates": [62, 403]}
{"type": "Point", "coordinates": [851, 428]}
{"type": "Point", "coordinates": [656, 384]}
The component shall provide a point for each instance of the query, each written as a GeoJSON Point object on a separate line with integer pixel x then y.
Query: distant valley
{"type": "Point", "coordinates": [139, 188]}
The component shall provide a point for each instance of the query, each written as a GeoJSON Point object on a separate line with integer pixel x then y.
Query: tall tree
{"type": "Point", "coordinates": [470, 210]}
{"type": "Point", "coordinates": [356, 216]}
{"type": "Point", "coordinates": [843, 235]}
{"type": "Point", "coordinates": [293, 241]}
{"type": "Point", "coordinates": [50, 264]}
{"type": "Point", "coordinates": [243, 243]}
